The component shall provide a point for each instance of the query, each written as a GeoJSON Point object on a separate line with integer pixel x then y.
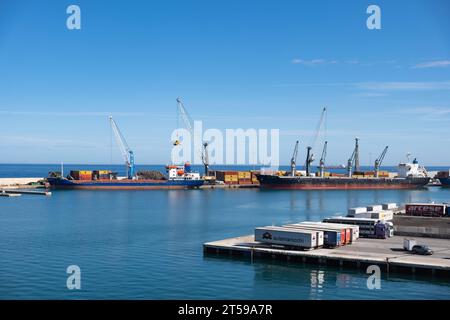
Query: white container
{"type": "Point", "coordinates": [301, 238]}
{"type": "Point", "coordinates": [357, 210]}
{"type": "Point", "coordinates": [377, 207]}
{"type": "Point", "coordinates": [408, 244]}
{"type": "Point", "coordinates": [383, 215]}
{"type": "Point", "coordinates": [389, 206]}
{"type": "Point", "coordinates": [360, 215]}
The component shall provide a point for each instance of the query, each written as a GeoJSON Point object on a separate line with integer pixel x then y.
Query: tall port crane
{"type": "Point", "coordinates": [379, 161]}
{"type": "Point", "coordinates": [188, 123]}
{"type": "Point", "coordinates": [322, 159]}
{"type": "Point", "coordinates": [294, 159]}
{"type": "Point", "coordinates": [352, 161]}
{"type": "Point", "coordinates": [309, 149]}
{"type": "Point", "coordinates": [127, 153]}
{"type": "Point", "coordinates": [205, 158]}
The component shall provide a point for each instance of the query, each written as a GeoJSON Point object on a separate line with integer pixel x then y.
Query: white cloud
{"type": "Point", "coordinates": [313, 62]}
{"type": "Point", "coordinates": [405, 85]}
{"type": "Point", "coordinates": [433, 64]}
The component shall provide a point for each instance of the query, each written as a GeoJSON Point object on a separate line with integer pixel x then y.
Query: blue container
{"type": "Point", "coordinates": [331, 238]}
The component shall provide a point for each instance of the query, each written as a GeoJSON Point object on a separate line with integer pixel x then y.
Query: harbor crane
{"type": "Point", "coordinates": [127, 153]}
{"type": "Point", "coordinates": [379, 161]}
{"type": "Point", "coordinates": [188, 123]}
{"type": "Point", "coordinates": [205, 158]}
{"type": "Point", "coordinates": [322, 159]}
{"type": "Point", "coordinates": [309, 149]}
{"type": "Point", "coordinates": [354, 159]}
{"type": "Point", "coordinates": [294, 159]}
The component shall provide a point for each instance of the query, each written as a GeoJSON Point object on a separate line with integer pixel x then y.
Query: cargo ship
{"type": "Point", "coordinates": [318, 183]}
{"type": "Point", "coordinates": [409, 176]}
{"type": "Point", "coordinates": [180, 177]}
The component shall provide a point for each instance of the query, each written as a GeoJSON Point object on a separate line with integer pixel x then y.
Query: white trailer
{"type": "Point", "coordinates": [383, 215]}
{"type": "Point", "coordinates": [374, 208]}
{"type": "Point", "coordinates": [300, 238]}
{"type": "Point", "coordinates": [353, 211]}
{"type": "Point", "coordinates": [389, 206]}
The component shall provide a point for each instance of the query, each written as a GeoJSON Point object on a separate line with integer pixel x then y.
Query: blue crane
{"type": "Point", "coordinates": [127, 153]}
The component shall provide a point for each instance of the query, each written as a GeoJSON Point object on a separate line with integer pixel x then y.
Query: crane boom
{"type": "Point", "coordinates": [127, 153]}
{"type": "Point", "coordinates": [379, 161]}
{"type": "Point", "coordinates": [294, 159]}
{"type": "Point", "coordinates": [185, 116]}
{"type": "Point", "coordinates": [310, 149]}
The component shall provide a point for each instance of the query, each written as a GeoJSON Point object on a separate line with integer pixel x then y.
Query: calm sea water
{"type": "Point", "coordinates": [148, 244]}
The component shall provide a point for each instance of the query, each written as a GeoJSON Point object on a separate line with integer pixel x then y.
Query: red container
{"type": "Point", "coordinates": [425, 209]}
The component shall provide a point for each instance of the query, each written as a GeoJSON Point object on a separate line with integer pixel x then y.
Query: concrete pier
{"type": "Point", "coordinates": [33, 192]}
{"type": "Point", "coordinates": [386, 253]}
{"type": "Point", "coordinates": [11, 182]}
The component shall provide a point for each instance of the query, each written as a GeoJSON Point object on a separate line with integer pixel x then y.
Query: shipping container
{"type": "Point", "coordinates": [348, 235]}
{"type": "Point", "coordinates": [228, 177]}
{"type": "Point", "coordinates": [354, 228]}
{"type": "Point", "coordinates": [376, 207]}
{"type": "Point", "coordinates": [357, 210]}
{"type": "Point", "coordinates": [425, 209]}
{"type": "Point", "coordinates": [389, 206]}
{"type": "Point", "coordinates": [245, 181]}
{"type": "Point", "coordinates": [331, 237]}
{"type": "Point", "coordinates": [244, 175]}
{"type": "Point", "coordinates": [383, 215]}
{"type": "Point", "coordinates": [81, 175]}
{"type": "Point", "coordinates": [299, 238]}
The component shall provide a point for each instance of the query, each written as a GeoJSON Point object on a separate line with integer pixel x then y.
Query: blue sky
{"type": "Point", "coordinates": [236, 64]}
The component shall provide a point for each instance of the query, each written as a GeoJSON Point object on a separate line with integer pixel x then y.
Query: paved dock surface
{"type": "Point", "coordinates": [388, 252]}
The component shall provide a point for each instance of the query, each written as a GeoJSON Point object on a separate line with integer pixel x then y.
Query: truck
{"type": "Point", "coordinates": [368, 228]}
{"type": "Point", "coordinates": [426, 209]}
{"type": "Point", "coordinates": [331, 237]}
{"type": "Point", "coordinates": [290, 238]}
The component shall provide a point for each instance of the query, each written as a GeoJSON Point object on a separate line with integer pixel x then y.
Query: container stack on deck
{"type": "Point", "coordinates": [81, 174]}
{"type": "Point", "coordinates": [236, 177]}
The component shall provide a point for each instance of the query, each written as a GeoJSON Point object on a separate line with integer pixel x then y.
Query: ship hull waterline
{"type": "Point", "coordinates": [312, 183]}
{"type": "Point", "coordinates": [56, 183]}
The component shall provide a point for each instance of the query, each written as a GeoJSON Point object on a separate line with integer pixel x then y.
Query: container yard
{"type": "Point", "coordinates": [389, 254]}
{"type": "Point", "coordinates": [355, 240]}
